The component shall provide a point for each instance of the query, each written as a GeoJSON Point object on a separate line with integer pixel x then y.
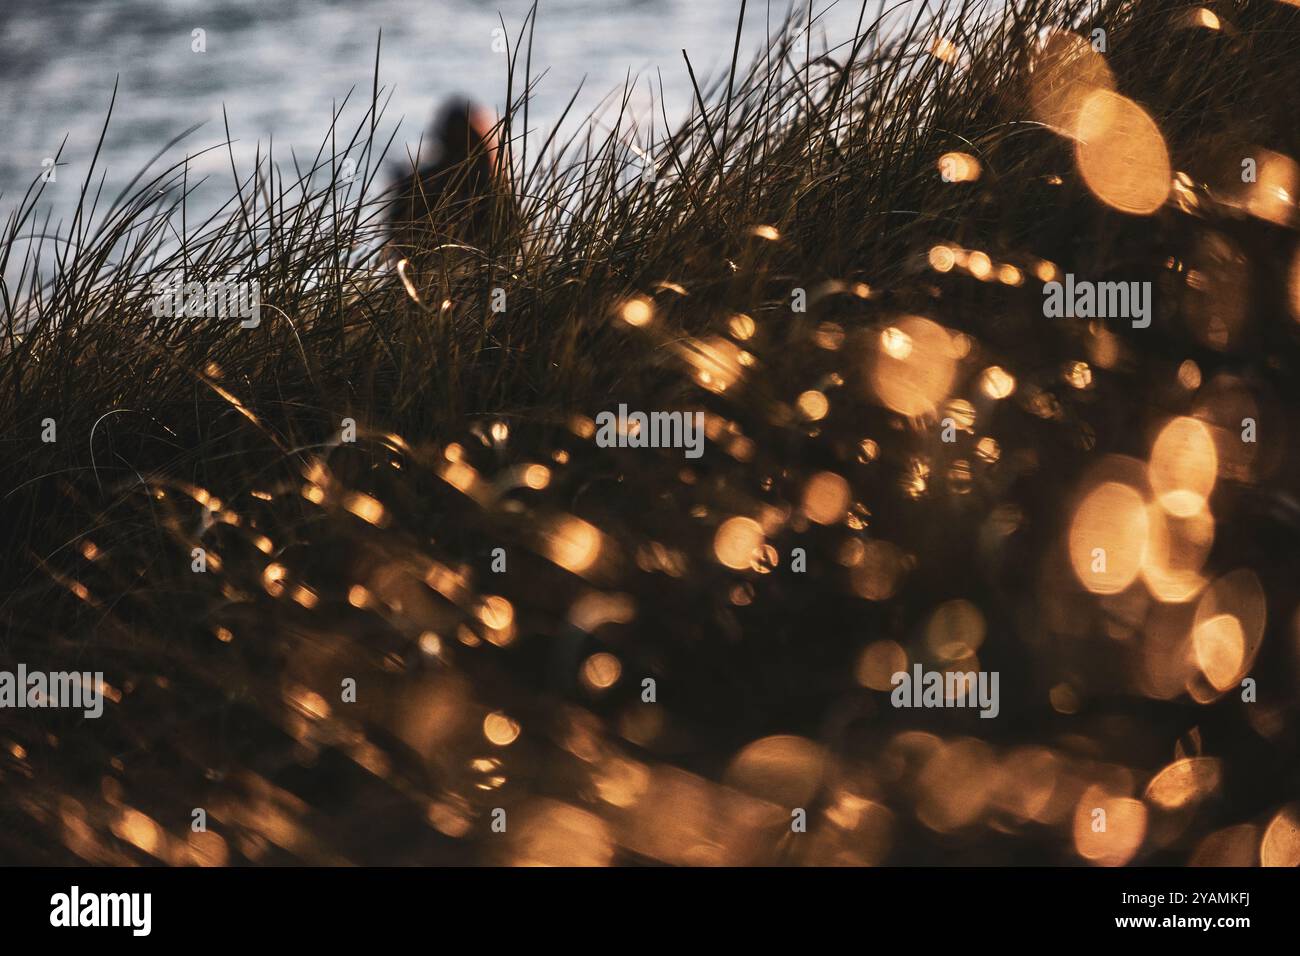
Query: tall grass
{"type": "Point", "coordinates": [374, 559]}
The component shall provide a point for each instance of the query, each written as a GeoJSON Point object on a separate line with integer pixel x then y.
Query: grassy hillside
{"type": "Point", "coordinates": [840, 260]}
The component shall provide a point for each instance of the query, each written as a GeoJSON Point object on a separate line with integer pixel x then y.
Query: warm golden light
{"type": "Point", "coordinates": [784, 769]}
{"type": "Point", "coordinates": [955, 785]}
{"type": "Point", "coordinates": [141, 831]}
{"type": "Point", "coordinates": [914, 367]}
{"type": "Point", "coordinates": [1108, 830]}
{"type": "Point", "coordinates": [741, 326]}
{"type": "Point", "coordinates": [959, 167]}
{"type": "Point", "coordinates": [826, 498]}
{"type": "Point", "coordinates": [736, 541]}
{"type": "Point", "coordinates": [601, 671]}
{"type": "Point", "coordinates": [942, 258]}
{"type": "Point", "coordinates": [895, 343]}
{"type": "Point", "coordinates": [879, 662]}
{"type": "Point", "coordinates": [1228, 628]}
{"type": "Point", "coordinates": [877, 574]}
{"type": "Point", "coordinates": [1108, 538]}
{"type": "Point", "coordinates": [1220, 648]}
{"type": "Point", "coordinates": [496, 612]}
{"type": "Point", "coordinates": [500, 729]}
{"type": "Point", "coordinates": [1066, 70]}
{"type": "Point", "coordinates": [1078, 375]}
{"type": "Point", "coordinates": [573, 544]}
{"type": "Point", "coordinates": [1176, 551]}
{"type": "Point", "coordinates": [1183, 466]}
{"type": "Point", "coordinates": [638, 311]}
{"type": "Point", "coordinates": [1281, 843]}
{"type": "Point", "coordinates": [996, 382]}
{"type": "Point", "coordinates": [365, 507]}
{"type": "Point", "coordinates": [813, 405]}
{"type": "Point", "coordinates": [955, 631]}
{"type": "Point", "coordinates": [1121, 154]}
{"type": "Point", "coordinates": [1010, 275]}
{"type": "Point", "coordinates": [944, 49]}
{"type": "Point", "coordinates": [1273, 195]}
{"type": "Point", "coordinates": [1231, 846]}
{"type": "Point", "coordinates": [1184, 782]}
{"type": "Point", "coordinates": [551, 833]}
{"type": "Point", "coordinates": [717, 363]}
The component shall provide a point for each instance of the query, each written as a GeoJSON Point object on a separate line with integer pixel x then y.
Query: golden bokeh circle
{"type": "Point", "coordinates": [1121, 154]}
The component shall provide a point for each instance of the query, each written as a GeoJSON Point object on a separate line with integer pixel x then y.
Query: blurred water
{"type": "Point", "coordinates": [278, 66]}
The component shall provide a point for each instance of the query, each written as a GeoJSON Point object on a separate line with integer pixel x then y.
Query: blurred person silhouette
{"type": "Point", "coordinates": [461, 194]}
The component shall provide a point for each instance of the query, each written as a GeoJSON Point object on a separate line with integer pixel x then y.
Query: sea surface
{"type": "Point", "coordinates": [278, 68]}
